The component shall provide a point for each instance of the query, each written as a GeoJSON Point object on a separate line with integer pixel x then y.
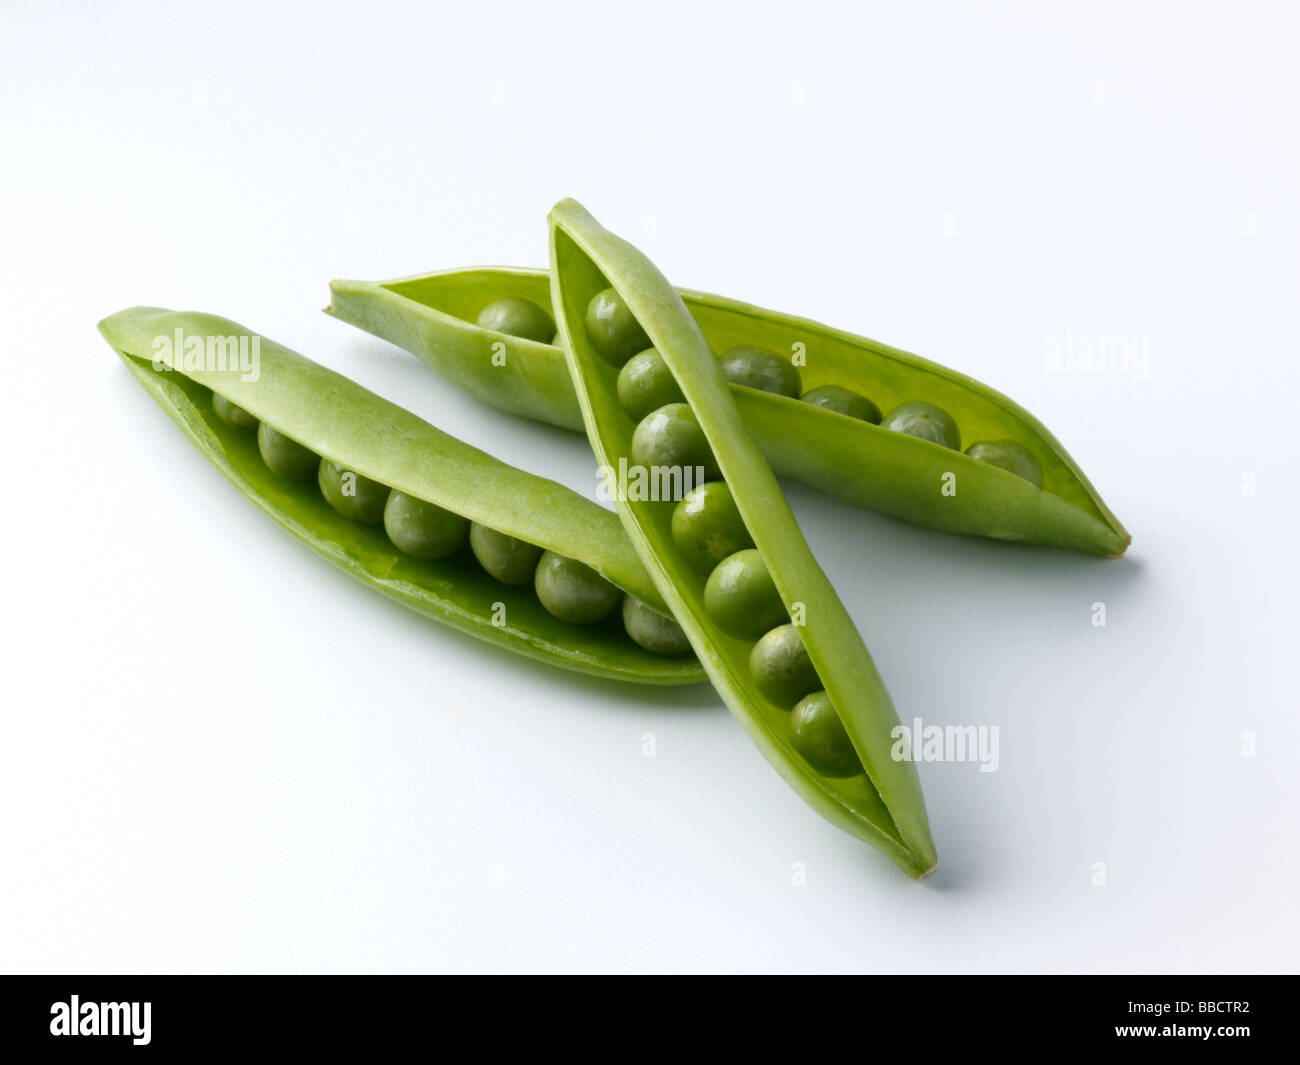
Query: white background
{"type": "Point", "coordinates": [221, 754]}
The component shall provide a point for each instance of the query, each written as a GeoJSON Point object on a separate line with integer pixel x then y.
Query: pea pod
{"type": "Point", "coordinates": [339, 425]}
{"type": "Point", "coordinates": [834, 746]}
{"type": "Point", "coordinates": [810, 440]}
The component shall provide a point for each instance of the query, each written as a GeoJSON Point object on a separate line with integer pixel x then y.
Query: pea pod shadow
{"type": "Point", "coordinates": [976, 634]}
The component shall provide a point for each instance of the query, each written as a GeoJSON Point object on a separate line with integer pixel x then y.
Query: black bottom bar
{"type": "Point", "coordinates": [373, 1015]}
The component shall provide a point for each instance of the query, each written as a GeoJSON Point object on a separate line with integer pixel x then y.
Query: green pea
{"type": "Point", "coordinates": [573, 591]}
{"type": "Point", "coordinates": [234, 416]}
{"type": "Point", "coordinates": [782, 670]}
{"type": "Point", "coordinates": [843, 401]}
{"type": "Point", "coordinates": [612, 329]}
{"type": "Point", "coordinates": [284, 456]}
{"type": "Point", "coordinates": [707, 526]}
{"type": "Point", "coordinates": [518, 318]}
{"type": "Point", "coordinates": [423, 530]}
{"type": "Point", "coordinates": [650, 629]}
{"type": "Point", "coordinates": [926, 421]}
{"type": "Point", "coordinates": [351, 494]}
{"type": "Point", "coordinates": [645, 384]}
{"type": "Point", "coordinates": [741, 597]}
{"type": "Point", "coordinates": [1010, 456]}
{"type": "Point", "coordinates": [671, 436]}
{"type": "Point", "coordinates": [509, 560]}
{"type": "Point", "coordinates": [760, 368]}
{"type": "Point", "coordinates": [818, 734]}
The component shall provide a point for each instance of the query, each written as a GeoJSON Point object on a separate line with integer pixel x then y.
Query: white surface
{"type": "Point", "coordinates": [219, 753]}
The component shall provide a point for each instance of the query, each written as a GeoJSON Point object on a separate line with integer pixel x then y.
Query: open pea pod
{"type": "Point", "coordinates": [806, 690]}
{"type": "Point", "coordinates": [336, 420]}
{"type": "Point", "coordinates": [434, 316]}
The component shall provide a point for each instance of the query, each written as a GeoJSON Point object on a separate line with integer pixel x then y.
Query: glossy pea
{"type": "Point", "coordinates": [509, 560]}
{"type": "Point", "coordinates": [645, 384]}
{"type": "Point", "coordinates": [234, 416]}
{"type": "Point", "coordinates": [741, 597]}
{"type": "Point", "coordinates": [843, 401]}
{"type": "Point", "coordinates": [423, 530]}
{"type": "Point", "coordinates": [707, 526]}
{"type": "Point", "coordinates": [755, 367]}
{"type": "Point", "coordinates": [671, 436]}
{"type": "Point", "coordinates": [613, 330]}
{"type": "Point", "coordinates": [819, 735]}
{"type": "Point", "coordinates": [284, 456]}
{"type": "Point", "coordinates": [572, 591]}
{"type": "Point", "coordinates": [782, 670]}
{"type": "Point", "coordinates": [924, 421]}
{"type": "Point", "coordinates": [1010, 456]}
{"type": "Point", "coordinates": [652, 630]}
{"type": "Point", "coordinates": [517, 318]}
{"type": "Point", "coordinates": [351, 494]}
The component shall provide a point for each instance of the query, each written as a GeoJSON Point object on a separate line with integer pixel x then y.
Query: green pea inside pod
{"type": "Point", "coordinates": [231, 414]}
{"type": "Point", "coordinates": [707, 526]}
{"type": "Point", "coordinates": [612, 328]}
{"type": "Point", "coordinates": [284, 456]}
{"type": "Point", "coordinates": [572, 591]}
{"type": "Point", "coordinates": [518, 318]}
{"type": "Point", "coordinates": [657, 633]}
{"type": "Point", "coordinates": [924, 421]}
{"type": "Point", "coordinates": [741, 597]}
{"type": "Point", "coordinates": [351, 494]}
{"type": "Point", "coordinates": [843, 401]}
{"type": "Point", "coordinates": [645, 384]}
{"type": "Point", "coordinates": [671, 436]}
{"type": "Point", "coordinates": [509, 560]}
{"type": "Point", "coordinates": [761, 368]}
{"type": "Point", "coordinates": [782, 670]}
{"type": "Point", "coordinates": [818, 734]}
{"type": "Point", "coordinates": [1010, 456]}
{"type": "Point", "coordinates": [423, 530]}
